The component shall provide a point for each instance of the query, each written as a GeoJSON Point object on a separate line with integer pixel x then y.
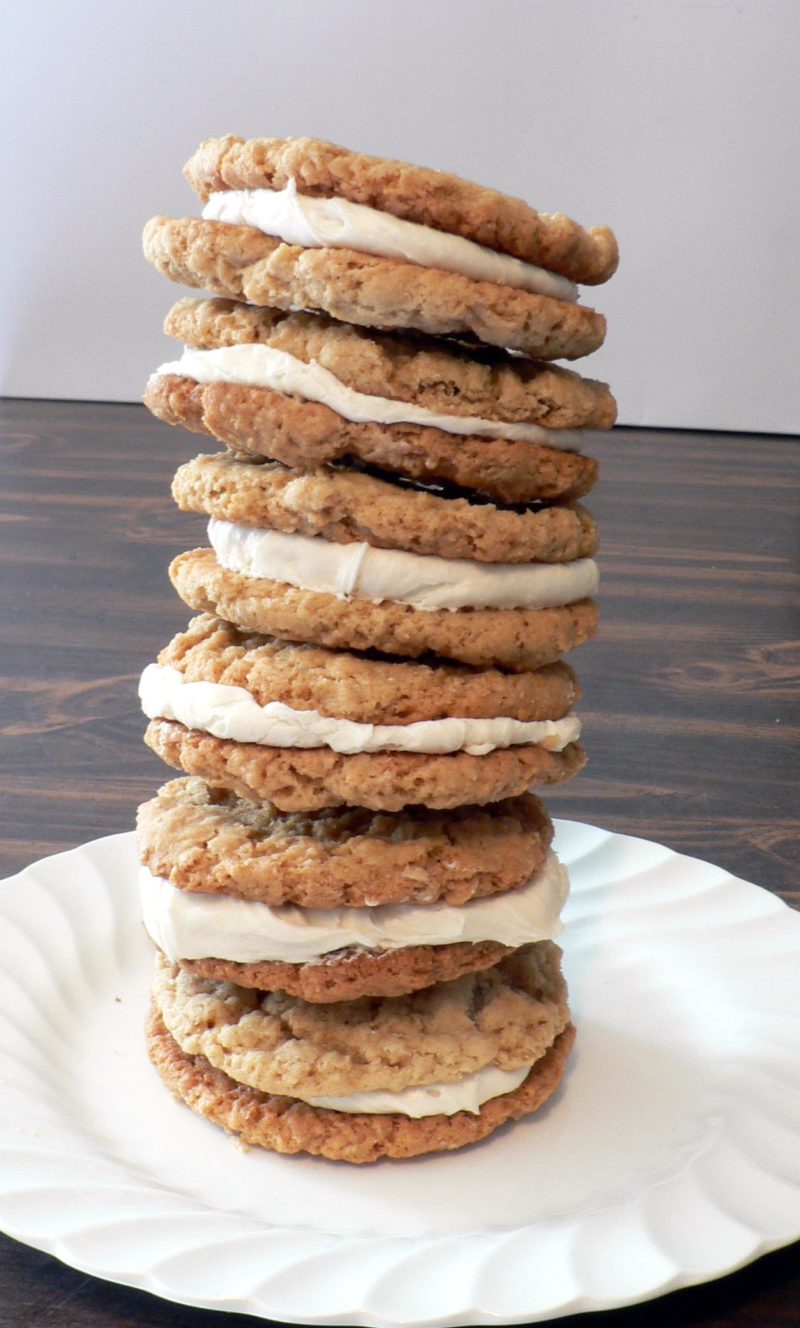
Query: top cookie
{"type": "Point", "coordinates": [414, 193]}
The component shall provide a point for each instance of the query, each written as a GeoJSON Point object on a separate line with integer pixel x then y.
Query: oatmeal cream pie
{"type": "Point", "coordinates": [367, 1078]}
{"type": "Point", "coordinates": [337, 954]}
{"type": "Point", "coordinates": [357, 595]}
{"type": "Point", "coordinates": [385, 263]}
{"type": "Point", "coordinates": [418, 194]}
{"type": "Point", "coordinates": [305, 390]}
{"type": "Point", "coordinates": [353, 730]}
{"type": "Point", "coordinates": [203, 839]}
{"type": "Point", "coordinates": [212, 865]}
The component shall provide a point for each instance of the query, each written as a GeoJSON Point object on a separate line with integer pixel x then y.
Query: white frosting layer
{"type": "Point", "coordinates": [363, 572]}
{"type": "Point", "coordinates": [232, 712]}
{"type": "Point", "coordinates": [338, 224]}
{"type": "Point", "coordinates": [265, 366]}
{"type": "Point", "coordinates": [467, 1094]}
{"type": "Point", "coordinates": [208, 926]}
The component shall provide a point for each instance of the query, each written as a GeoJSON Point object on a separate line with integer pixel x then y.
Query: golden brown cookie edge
{"type": "Point", "coordinates": [296, 779]}
{"type": "Point", "coordinates": [286, 1125]}
{"type": "Point", "coordinates": [346, 506]}
{"type": "Point", "coordinates": [513, 639]}
{"type": "Point", "coordinates": [345, 975]}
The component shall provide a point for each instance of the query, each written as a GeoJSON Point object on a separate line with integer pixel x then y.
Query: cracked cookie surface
{"type": "Point", "coordinates": [366, 689]}
{"type": "Point", "coordinates": [505, 1016]}
{"type": "Point", "coordinates": [208, 840]}
{"type": "Point", "coordinates": [347, 506]}
{"type": "Point", "coordinates": [297, 779]}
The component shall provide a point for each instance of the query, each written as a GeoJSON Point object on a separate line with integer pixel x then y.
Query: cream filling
{"type": "Point", "coordinates": [233, 713]}
{"type": "Point", "coordinates": [360, 571]}
{"type": "Point", "coordinates": [186, 925]}
{"type": "Point", "coordinates": [268, 367]}
{"type": "Point", "coordinates": [467, 1094]}
{"type": "Point", "coordinates": [338, 224]}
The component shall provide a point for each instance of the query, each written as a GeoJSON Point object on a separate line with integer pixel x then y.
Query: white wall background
{"type": "Point", "coordinates": [674, 121]}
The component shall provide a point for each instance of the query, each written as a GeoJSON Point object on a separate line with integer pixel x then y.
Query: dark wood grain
{"type": "Point", "coordinates": [690, 705]}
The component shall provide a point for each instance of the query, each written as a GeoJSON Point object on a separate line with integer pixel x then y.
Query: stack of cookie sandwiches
{"type": "Point", "coordinates": [351, 887]}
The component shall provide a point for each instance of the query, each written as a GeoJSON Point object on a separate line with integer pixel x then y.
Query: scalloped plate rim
{"type": "Point", "coordinates": [359, 1314]}
{"type": "Point", "coordinates": [356, 1318]}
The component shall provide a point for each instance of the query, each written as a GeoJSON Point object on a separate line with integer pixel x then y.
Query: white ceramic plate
{"type": "Point", "coordinates": [670, 1155]}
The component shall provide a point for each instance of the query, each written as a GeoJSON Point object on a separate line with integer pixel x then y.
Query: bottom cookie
{"type": "Point", "coordinates": [286, 1125]}
{"type": "Point", "coordinates": [345, 975]}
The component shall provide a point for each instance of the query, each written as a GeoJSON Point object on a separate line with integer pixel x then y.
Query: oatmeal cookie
{"type": "Point", "coordinates": [305, 779]}
{"type": "Point", "coordinates": [347, 506]}
{"type": "Point", "coordinates": [367, 689]}
{"type": "Point", "coordinates": [348, 974]}
{"type": "Point", "coordinates": [206, 839]}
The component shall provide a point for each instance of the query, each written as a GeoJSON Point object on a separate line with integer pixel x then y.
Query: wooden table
{"type": "Point", "coordinates": [690, 706]}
